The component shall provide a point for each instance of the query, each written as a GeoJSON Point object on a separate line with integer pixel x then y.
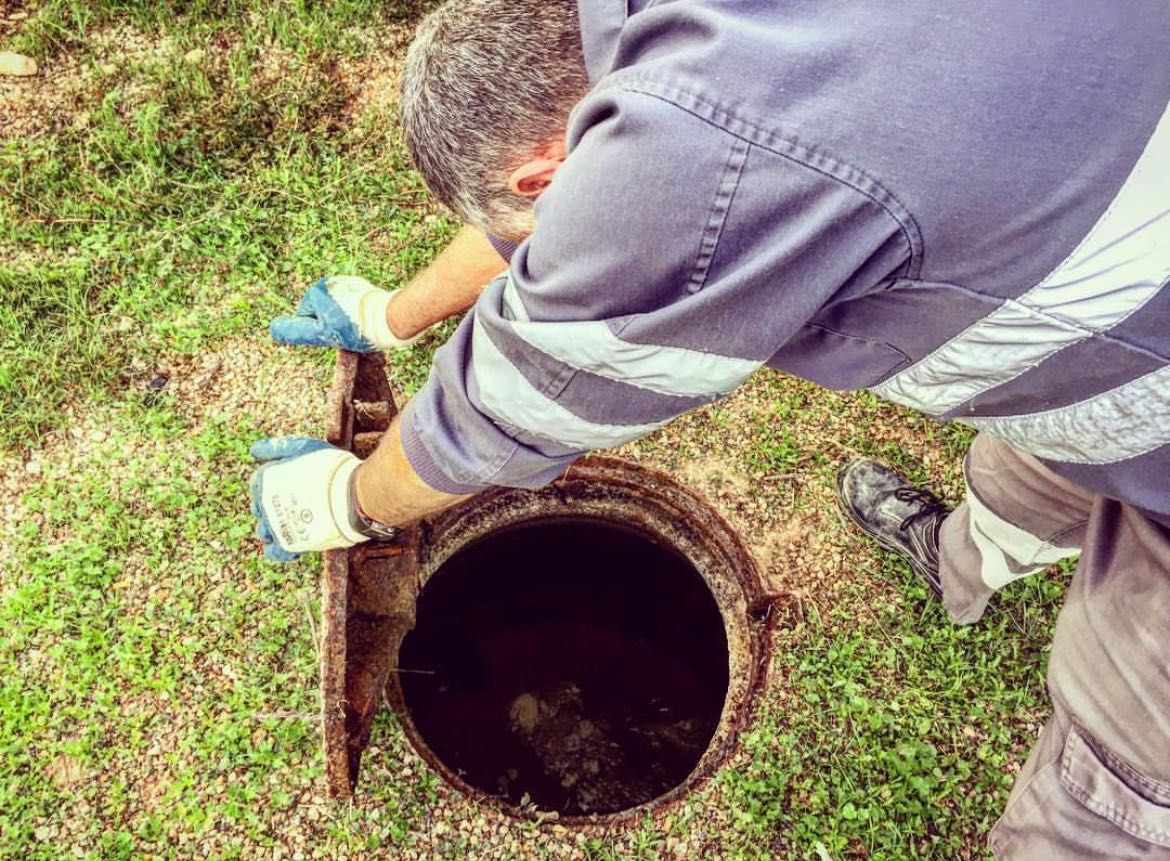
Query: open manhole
{"type": "Point", "coordinates": [573, 664]}
{"type": "Point", "coordinates": [590, 649]}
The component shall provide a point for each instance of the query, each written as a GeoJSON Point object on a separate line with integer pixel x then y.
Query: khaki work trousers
{"type": "Point", "coordinates": [1097, 783]}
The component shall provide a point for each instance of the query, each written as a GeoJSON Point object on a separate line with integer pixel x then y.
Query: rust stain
{"type": "Point", "coordinates": [368, 592]}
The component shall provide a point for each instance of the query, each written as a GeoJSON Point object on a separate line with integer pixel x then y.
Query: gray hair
{"type": "Point", "coordinates": [488, 82]}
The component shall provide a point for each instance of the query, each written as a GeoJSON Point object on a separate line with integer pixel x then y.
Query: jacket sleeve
{"type": "Point", "coordinates": [670, 260]}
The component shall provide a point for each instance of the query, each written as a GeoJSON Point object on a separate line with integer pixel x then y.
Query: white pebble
{"type": "Point", "coordinates": [17, 65]}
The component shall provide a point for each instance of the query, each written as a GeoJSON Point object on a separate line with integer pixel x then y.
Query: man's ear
{"type": "Point", "coordinates": [534, 176]}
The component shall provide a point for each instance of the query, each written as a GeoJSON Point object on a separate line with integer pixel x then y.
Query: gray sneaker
{"type": "Point", "coordinates": [901, 517]}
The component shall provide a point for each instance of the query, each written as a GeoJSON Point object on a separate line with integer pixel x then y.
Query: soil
{"type": "Point", "coordinates": [371, 83]}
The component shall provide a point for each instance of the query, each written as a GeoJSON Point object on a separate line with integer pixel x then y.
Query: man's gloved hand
{"type": "Point", "coordinates": [301, 497]}
{"type": "Point", "coordinates": [341, 311]}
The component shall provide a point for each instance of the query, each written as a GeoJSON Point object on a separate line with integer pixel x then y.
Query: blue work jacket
{"type": "Point", "coordinates": [964, 207]}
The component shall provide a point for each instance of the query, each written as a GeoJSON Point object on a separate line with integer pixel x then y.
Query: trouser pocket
{"type": "Point", "coordinates": [1088, 803]}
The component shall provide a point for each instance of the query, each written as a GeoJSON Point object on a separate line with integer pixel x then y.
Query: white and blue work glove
{"type": "Point", "coordinates": [302, 497]}
{"type": "Point", "coordinates": [341, 311]}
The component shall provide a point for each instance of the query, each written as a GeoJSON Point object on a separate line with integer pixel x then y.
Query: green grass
{"type": "Point", "coordinates": [95, 658]}
{"type": "Point", "coordinates": [158, 686]}
{"type": "Point", "coordinates": [895, 735]}
{"type": "Point", "coordinates": [197, 199]}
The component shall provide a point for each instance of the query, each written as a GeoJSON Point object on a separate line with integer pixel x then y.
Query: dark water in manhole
{"type": "Point", "coordinates": [577, 665]}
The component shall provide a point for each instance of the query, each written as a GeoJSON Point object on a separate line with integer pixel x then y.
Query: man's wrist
{"type": "Point", "coordinates": [399, 324]}
{"type": "Point", "coordinates": [375, 321]}
{"type": "Point", "coordinates": [340, 501]}
{"type": "Point", "coordinates": [361, 522]}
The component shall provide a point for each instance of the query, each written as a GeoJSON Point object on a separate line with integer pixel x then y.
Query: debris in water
{"type": "Point", "coordinates": [583, 755]}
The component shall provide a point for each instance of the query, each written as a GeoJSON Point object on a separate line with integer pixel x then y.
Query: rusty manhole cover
{"type": "Point", "coordinates": [590, 649]}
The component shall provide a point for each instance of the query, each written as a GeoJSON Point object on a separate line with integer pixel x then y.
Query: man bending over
{"type": "Point", "coordinates": [962, 207]}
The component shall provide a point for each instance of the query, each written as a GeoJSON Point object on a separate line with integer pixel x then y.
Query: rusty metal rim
{"type": "Point", "coordinates": [665, 510]}
{"type": "Point", "coordinates": [369, 591]}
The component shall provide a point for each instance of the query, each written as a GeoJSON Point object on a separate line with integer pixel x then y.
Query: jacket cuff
{"type": "Point", "coordinates": [425, 466]}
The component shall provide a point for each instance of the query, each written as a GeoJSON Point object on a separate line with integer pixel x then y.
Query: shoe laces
{"type": "Point", "coordinates": [931, 505]}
